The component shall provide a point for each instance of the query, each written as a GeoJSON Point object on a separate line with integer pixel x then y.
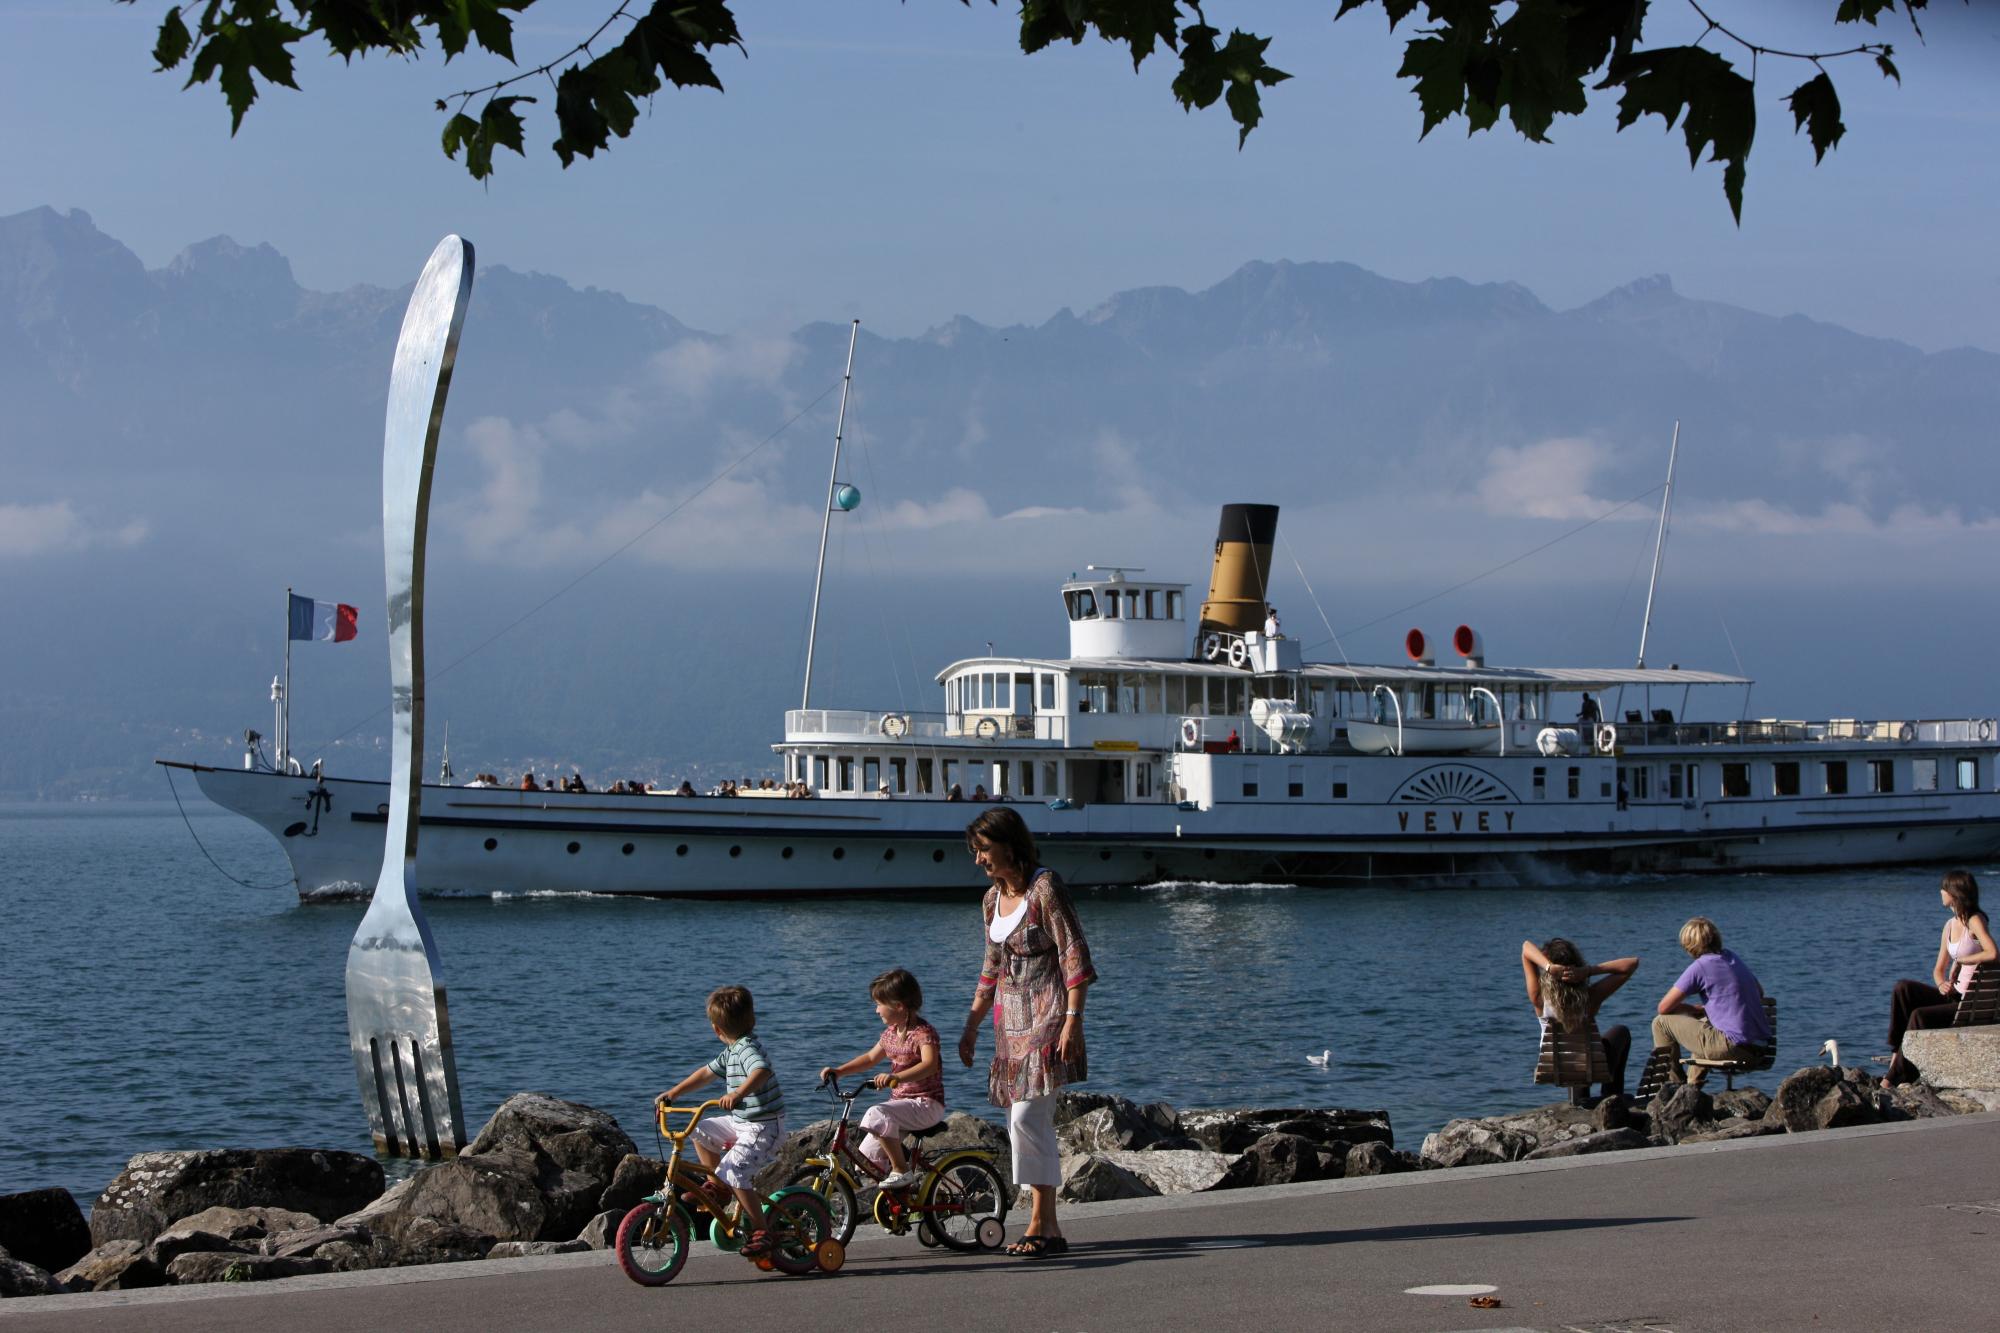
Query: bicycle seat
{"type": "Point", "coordinates": [938, 1128]}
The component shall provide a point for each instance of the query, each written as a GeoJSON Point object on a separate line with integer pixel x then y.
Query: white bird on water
{"type": "Point", "coordinates": [1831, 1050]}
{"type": "Point", "coordinates": [1320, 1061]}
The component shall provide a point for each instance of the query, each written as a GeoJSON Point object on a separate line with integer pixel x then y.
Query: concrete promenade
{"type": "Point", "coordinates": [1870, 1228]}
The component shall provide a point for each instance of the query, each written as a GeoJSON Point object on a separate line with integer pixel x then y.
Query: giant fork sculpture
{"type": "Point", "coordinates": [397, 1023]}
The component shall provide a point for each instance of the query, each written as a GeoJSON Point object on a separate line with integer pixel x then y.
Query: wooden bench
{"type": "Point", "coordinates": [1659, 1068]}
{"type": "Point", "coordinates": [1979, 1006]}
{"type": "Point", "coordinates": [1573, 1060]}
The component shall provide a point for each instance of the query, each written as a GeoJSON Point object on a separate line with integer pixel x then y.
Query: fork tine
{"type": "Point", "coordinates": [398, 1025]}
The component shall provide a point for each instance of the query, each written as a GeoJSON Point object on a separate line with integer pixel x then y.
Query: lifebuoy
{"type": "Point", "coordinates": [894, 725]}
{"type": "Point", "coordinates": [1985, 728]}
{"type": "Point", "coordinates": [1607, 738]}
{"type": "Point", "coordinates": [1190, 732]}
{"type": "Point", "coordinates": [987, 729]}
{"type": "Point", "coordinates": [1906, 733]}
{"type": "Point", "coordinates": [1239, 652]}
{"type": "Point", "coordinates": [1211, 646]}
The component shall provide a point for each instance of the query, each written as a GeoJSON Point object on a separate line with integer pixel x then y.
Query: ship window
{"type": "Point", "coordinates": [1735, 780]}
{"type": "Point", "coordinates": [1173, 606]}
{"type": "Point", "coordinates": [1785, 778]}
{"type": "Point", "coordinates": [1129, 694]}
{"type": "Point", "coordinates": [1027, 777]}
{"type": "Point", "coordinates": [1048, 684]}
{"type": "Point", "coordinates": [1833, 777]}
{"type": "Point", "coordinates": [1968, 775]}
{"type": "Point", "coordinates": [1295, 781]}
{"type": "Point", "coordinates": [1095, 693]}
{"type": "Point", "coordinates": [1541, 783]}
{"type": "Point", "coordinates": [1152, 606]}
{"type": "Point", "coordinates": [1642, 783]}
{"type": "Point", "coordinates": [846, 773]}
{"type": "Point", "coordinates": [1142, 780]}
{"type": "Point", "coordinates": [1249, 780]}
{"type": "Point", "coordinates": [949, 772]}
{"type": "Point", "coordinates": [1155, 693]}
{"type": "Point", "coordinates": [899, 768]}
{"type": "Point", "coordinates": [1177, 694]}
{"type": "Point", "coordinates": [924, 787]}
{"type": "Point", "coordinates": [1881, 775]}
{"type": "Point", "coordinates": [1082, 604]}
{"type": "Point", "coordinates": [1002, 789]}
{"type": "Point", "coordinates": [819, 772]}
{"type": "Point", "coordinates": [1239, 695]}
{"type": "Point", "coordinates": [1575, 781]}
{"type": "Point", "coordinates": [1050, 779]}
{"type": "Point", "coordinates": [871, 773]}
{"type": "Point", "coordinates": [986, 689]}
{"type": "Point", "coordinates": [1923, 775]}
{"type": "Point", "coordinates": [1674, 789]}
{"type": "Point", "coordinates": [1110, 604]}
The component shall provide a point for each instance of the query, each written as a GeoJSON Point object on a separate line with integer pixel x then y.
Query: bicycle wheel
{"type": "Point", "coordinates": [797, 1221]}
{"type": "Point", "coordinates": [959, 1195]}
{"type": "Point", "coordinates": [927, 1235]}
{"type": "Point", "coordinates": [838, 1195]}
{"type": "Point", "coordinates": [652, 1243]}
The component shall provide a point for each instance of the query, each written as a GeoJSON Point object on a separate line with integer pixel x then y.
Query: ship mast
{"type": "Point", "coordinates": [1659, 542]}
{"type": "Point", "coordinates": [826, 515]}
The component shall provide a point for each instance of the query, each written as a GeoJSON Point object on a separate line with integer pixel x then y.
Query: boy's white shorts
{"type": "Point", "coordinates": [747, 1146]}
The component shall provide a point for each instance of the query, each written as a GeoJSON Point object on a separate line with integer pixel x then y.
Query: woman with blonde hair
{"type": "Point", "coordinates": [1561, 991]}
{"type": "Point", "coordinates": [1965, 945]}
{"type": "Point", "coordinates": [1730, 1018]}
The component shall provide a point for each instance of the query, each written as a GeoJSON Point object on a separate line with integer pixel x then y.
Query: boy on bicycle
{"type": "Point", "coordinates": [737, 1145]}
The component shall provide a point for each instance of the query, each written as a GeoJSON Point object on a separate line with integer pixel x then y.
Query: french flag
{"type": "Point", "coordinates": [321, 620]}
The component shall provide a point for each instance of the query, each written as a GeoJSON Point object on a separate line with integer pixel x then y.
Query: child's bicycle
{"type": "Point", "coordinates": [961, 1202]}
{"type": "Point", "coordinates": [653, 1239]}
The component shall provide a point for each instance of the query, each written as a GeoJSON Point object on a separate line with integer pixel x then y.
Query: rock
{"type": "Point", "coordinates": [44, 1228]}
{"type": "Point", "coordinates": [1679, 1109]}
{"type": "Point", "coordinates": [1914, 1101]}
{"type": "Point", "coordinates": [18, 1277]}
{"type": "Point", "coordinates": [1165, 1118]}
{"type": "Point", "coordinates": [347, 1256]}
{"type": "Point", "coordinates": [1175, 1143]}
{"type": "Point", "coordinates": [157, 1188]}
{"type": "Point", "coordinates": [1118, 1127]}
{"type": "Point", "coordinates": [240, 1223]}
{"type": "Point", "coordinates": [1969, 1101]}
{"type": "Point", "coordinates": [1967, 1057]}
{"type": "Point", "coordinates": [1506, 1138]}
{"type": "Point", "coordinates": [190, 1269]}
{"type": "Point", "coordinates": [492, 1196]}
{"type": "Point", "coordinates": [426, 1240]}
{"type": "Point", "coordinates": [116, 1265]}
{"type": "Point", "coordinates": [1608, 1140]}
{"type": "Point", "coordinates": [963, 1131]}
{"type": "Point", "coordinates": [171, 1244]}
{"type": "Point", "coordinates": [1373, 1159]}
{"type": "Point", "coordinates": [792, 1153]}
{"type": "Point", "coordinates": [1615, 1112]}
{"type": "Point", "coordinates": [1818, 1097]}
{"type": "Point", "coordinates": [1280, 1159]}
{"type": "Point", "coordinates": [306, 1241]}
{"type": "Point", "coordinates": [1183, 1172]}
{"type": "Point", "coordinates": [602, 1230]}
{"type": "Point", "coordinates": [1234, 1129]}
{"type": "Point", "coordinates": [635, 1177]}
{"type": "Point", "coordinates": [1089, 1178]}
{"type": "Point", "coordinates": [1070, 1105]}
{"type": "Point", "coordinates": [570, 1152]}
{"type": "Point", "coordinates": [1746, 1102]}
{"type": "Point", "coordinates": [1735, 1127]}
{"type": "Point", "coordinates": [527, 1249]}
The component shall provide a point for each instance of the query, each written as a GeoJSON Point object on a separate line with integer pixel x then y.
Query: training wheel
{"type": "Point", "coordinates": [830, 1255]}
{"type": "Point", "coordinates": [764, 1263]}
{"type": "Point", "coordinates": [990, 1232]}
{"type": "Point", "coordinates": [927, 1235]}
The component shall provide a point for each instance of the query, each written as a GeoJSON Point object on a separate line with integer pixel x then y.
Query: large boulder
{"type": "Point", "coordinates": [1234, 1129]}
{"type": "Point", "coordinates": [171, 1244]}
{"type": "Point", "coordinates": [116, 1265]}
{"type": "Point", "coordinates": [1746, 1102]}
{"type": "Point", "coordinates": [1967, 1057]}
{"type": "Point", "coordinates": [1679, 1109]}
{"type": "Point", "coordinates": [569, 1151]}
{"type": "Point", "coordinates": [636, 1176]}
{"type": "Point", "coordinates": [531, 1249]}
{"type": "Point", "coordinates": [307, 1242]}
{"type": "Point", "coordinates": [44, 1228]}
{"type": "Point", "coordinates": [1117, 1127]}
{"type": "Point", "coordinates": [1281, 1159]}
{"type": "Point", "coordinates": [495, 1197]}
{"type": "Point", "coordinates": [1175, 1171]}
{"type": "Point", "coordinates": [1606, 1140]}
{"type": "Point", "coordinates": [1914, 1101]}
{"type": "Point", "coordinates": [1089, 1178]}
{"type": "Point", "coordinates": [1734, 1127]}
{"type": "Point", "coordinates": [208, 1266]}
{"type": "Point", "coordinates": [158, 1188]}
{"type": "Point", "coordinates": [798, 1145]}
{"type": "Point", "coordinates": [239, 1224]}
{"type": "Point", "coordinates": [1374, 1159]}
{"type": "Point", "coordinates": [18, 1277]}
{"type": "Point", "coordinates": [602, 1231]}
{"type": "Point", "coordinates": [1506, 1138]}
{"type": "Point", "coordinates": [1821, 1097]}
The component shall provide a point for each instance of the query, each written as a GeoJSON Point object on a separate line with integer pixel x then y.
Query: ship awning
{"type": "Point", "coordinates": [1364, 674]}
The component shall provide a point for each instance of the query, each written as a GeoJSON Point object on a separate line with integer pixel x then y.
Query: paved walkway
{"type": "Point", "coordinates": [1869, 1228]}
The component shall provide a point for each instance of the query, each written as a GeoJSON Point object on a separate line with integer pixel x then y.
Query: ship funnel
{"type": "Point", "coordinates": [1241, 575]}
{"type": "Point", "coordinates": [1417, 647]}
{"type": "Point", "coordinates": [1467, 643]}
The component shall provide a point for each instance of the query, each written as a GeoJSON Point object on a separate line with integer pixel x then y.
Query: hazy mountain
{"type": "Point", "coordinates": [181, 443]}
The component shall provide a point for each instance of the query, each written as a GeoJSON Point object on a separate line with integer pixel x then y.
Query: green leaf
{"type": "Point", "coordinates": [1816, 109]}
{"type": "Point", "coordinates": [1862, 11]}
{"type": "Point", "coordinates": [1719, 103]}
{"type": "Point", "coordinates": [1438, 66]}
{"type": "Point", "coordinates": [498, 126]}
{"type": "Point", "coordinates": [1237, 72]}
{"type": "Point", "coordinates": [1888, 68]}
{"type": "Point", "coordinates": [172, 48]}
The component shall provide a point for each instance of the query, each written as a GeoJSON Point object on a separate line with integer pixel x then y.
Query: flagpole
{"type": "Point", "coordinates": [285, 705]}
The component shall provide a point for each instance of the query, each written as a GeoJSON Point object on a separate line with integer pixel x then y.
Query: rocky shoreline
{"type": "Point", "coordinates": [547, 1176]}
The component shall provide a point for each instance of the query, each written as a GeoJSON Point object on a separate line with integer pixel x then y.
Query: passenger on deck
{"type": "Point", "coordinates": [882, 790]}
{"type": "Point", "coordinates": [1233, 743]}
{"type": "Point", "coordinates": [685, 789]}
{"type": "Point", "coordinates": [957, 793]}
{"type": "Point", "coordinates": [528, 782]}
{"type": "Point", "coordinates": [1588, 715]}
{"type": "Point", "coordinates": [979, 793]}
{"type": "Point", "coordinates": [1270, 622]}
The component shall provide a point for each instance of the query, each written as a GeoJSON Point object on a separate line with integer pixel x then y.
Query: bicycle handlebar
{"type": "Point", "coordinates": [694, 1114]}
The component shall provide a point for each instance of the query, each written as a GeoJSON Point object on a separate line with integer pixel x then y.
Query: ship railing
{"type": "Point", "coordinates": [901, 727]}
{"type": "Point", "coordinates": [1840, 730]}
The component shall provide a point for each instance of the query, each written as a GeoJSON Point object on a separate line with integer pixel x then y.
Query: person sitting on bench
{"type": "Point", "coordinates": [1561, 992]}
{"type": "Point", "coordinates": [1965, 946]}
{"type": "Point", "coordinates": [1729, 1021]}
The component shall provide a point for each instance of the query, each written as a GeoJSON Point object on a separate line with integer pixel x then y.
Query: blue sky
{"type": "Point", "coordinates": [903, 163]}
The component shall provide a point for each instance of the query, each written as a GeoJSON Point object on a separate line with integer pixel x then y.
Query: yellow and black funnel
{"type": "Point", "coordinates": [1242, 572]}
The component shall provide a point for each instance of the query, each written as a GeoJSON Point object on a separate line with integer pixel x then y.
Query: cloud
{"type": "Point", "coordinates": [1549, 479]}
{"type": "Point", "coordinates": [695, 367]}
{"type": "Point", "coordinates": [56, 527]}
{"type": "Point", "coordinates": [1907, 522]}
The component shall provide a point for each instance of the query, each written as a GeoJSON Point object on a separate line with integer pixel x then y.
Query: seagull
{"type": "Point", "coordinates": [1320, 1061]}
{"type": "Point", "coordinates": [1831, 1050]}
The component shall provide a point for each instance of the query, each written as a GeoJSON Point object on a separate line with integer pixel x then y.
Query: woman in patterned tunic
{"type": "Point", "coordinates": [1036, 970]}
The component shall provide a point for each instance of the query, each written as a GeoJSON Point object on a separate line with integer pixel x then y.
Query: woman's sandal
{"type": "Point", "coordinates": [1029, 1247]}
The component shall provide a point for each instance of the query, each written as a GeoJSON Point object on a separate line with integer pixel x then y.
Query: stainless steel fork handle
{"type": "Point", "coordinates": [398, 1022]}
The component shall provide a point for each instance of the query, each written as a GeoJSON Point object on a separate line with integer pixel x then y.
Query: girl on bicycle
{"type": "Point", "coordinates": [910, 1045]}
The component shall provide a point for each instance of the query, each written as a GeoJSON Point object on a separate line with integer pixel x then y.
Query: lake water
{"type": "Point", "coordinates": [150, 1003]}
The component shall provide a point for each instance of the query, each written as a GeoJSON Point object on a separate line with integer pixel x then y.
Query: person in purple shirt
{"type": "Point", "coordinates": [1730, 1017]}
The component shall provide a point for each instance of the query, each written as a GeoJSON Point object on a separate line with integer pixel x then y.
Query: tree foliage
{"type": "Point", "coordinates": [1529, 60]}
